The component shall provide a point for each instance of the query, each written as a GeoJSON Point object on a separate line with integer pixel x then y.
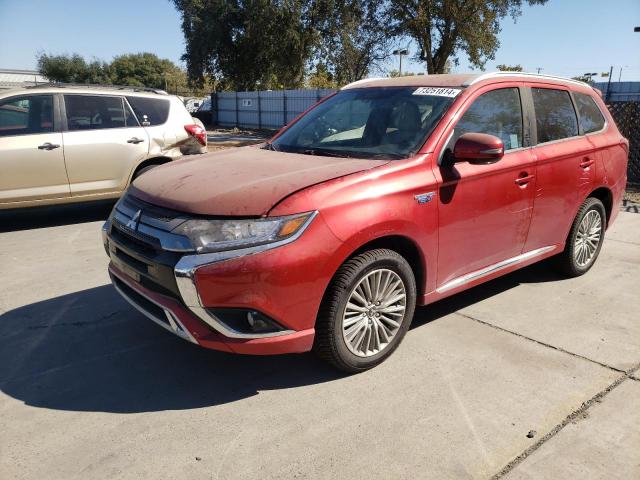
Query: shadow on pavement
{"type": "Point", "coordinates": [537, 273]}
{"type": "Point", "coordinates": [55, 215]}
{"type": "Point", "coordinates": [90, 351]}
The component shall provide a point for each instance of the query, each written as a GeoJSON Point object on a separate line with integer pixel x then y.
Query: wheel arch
{"type": "Point", "coordinates": [404, 246]}
{"type": "Point", "coordinates": [605, 195]}
{"type": "Point", "coordinates": [147, 162]}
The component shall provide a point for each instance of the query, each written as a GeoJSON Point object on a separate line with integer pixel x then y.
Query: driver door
{"type": "Point", "coordinates": [484, 211]}
{"type": "Point", "coordinates": [32, 163]}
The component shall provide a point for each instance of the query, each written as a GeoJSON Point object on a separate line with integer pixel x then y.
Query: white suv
{"type": "Point", "coordinates": [67, 143]}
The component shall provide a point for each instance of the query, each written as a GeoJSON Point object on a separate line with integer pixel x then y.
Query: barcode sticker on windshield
{"type": "Point", "coordinates": [437, 91]}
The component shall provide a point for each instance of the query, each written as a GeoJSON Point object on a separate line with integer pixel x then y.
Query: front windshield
{"type": "Point", "coordinates": [368, 123]}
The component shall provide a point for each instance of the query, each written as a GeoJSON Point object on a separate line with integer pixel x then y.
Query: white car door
{"type": "Point", "coordinates": [103, 142]}
{"type": "Point", "coordinates": [31, 156]}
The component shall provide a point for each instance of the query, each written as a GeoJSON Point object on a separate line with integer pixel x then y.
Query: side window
{"type": "Point", "coordinates": [92, 112]}
{"type": "Point", "coordinates": [555, 116]}
{"type": "Point", "coordinates": [26, 115]}
{"type": "Point", "coordinates": [129, 117]}
{"type": "Point", "coordinates": [150, 111]}
{"type": "Point", "coordinates": [591, 119]}
{"type": "Point", "coordinates": [497, 113]}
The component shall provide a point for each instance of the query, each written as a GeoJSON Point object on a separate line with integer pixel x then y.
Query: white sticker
{"type": "Point", "coordinates": [437, 91]}
{"type": "Point", "coordinates": [514, 140]}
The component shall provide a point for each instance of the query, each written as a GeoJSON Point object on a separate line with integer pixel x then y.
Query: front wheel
{"type": "Point", "coordinates": [585, 239]}
{"type": "Point", "coordinates": [367, 310]}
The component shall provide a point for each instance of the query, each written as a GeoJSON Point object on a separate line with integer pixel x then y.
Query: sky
{"type": "Point", "coordinates": [563, 37]}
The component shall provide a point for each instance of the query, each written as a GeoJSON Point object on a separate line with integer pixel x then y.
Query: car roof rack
{"type": "Point", "coordinates": [98, 86]}
{"type": "Point", "coordinates": [540, 76]}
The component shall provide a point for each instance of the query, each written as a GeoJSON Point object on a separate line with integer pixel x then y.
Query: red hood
{"type": "Point", "coordinates": [244, 181]}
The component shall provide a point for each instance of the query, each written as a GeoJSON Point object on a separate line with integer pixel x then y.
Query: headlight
{"type": "Point", "coordinates": [218, 235]}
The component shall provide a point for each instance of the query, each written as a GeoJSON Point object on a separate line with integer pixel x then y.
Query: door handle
{"type": "Point", "coordinates": [586, 162]}
{"type": "Point", "coordinates": [48, 146]}
{"type": "Point", "coordinates": [135, 140]}
{"type": "Point", "coordinates": [524, 178]}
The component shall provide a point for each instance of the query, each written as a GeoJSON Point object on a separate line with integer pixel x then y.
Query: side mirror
{"type": "Point", "coordinates": [478, 148]}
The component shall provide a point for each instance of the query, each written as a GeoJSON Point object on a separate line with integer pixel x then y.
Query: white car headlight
{"type": "Point", "coordinates": [218, 235]}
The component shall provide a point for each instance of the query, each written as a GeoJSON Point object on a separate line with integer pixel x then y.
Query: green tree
{"type": "Point", "coordinates": [135, 69]}
{"type": "Point", "coordinates": [396, 74]}
{"type": "Point", "coordinates": [443, 28]}
{"type": "Point", "coordinates": [509, 68]}
{"type": "Point", "coordinates": [73, 69]}
{"type": "Point", "coordinates": [147, 70]}
{"type": "Point", "coordinates": [253, 43]}
{"type": "Point", "coordinates": [583, 78]}
{"type": "Point", "coordinates": [321, 78]}
{"type": "Point", "coordinates": [357, 38]}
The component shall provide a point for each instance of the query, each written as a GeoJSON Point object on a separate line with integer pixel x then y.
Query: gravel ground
{"type": "Point", "coordinates": [631, 202]}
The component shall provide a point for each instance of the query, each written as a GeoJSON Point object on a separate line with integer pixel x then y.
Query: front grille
{"type": "Point", "coordinates": [138, 265]}
{"type": "Point", "coordinates": [158, 217]}
{"type": "Point", "coordinates": [156, 287]}
{"type": "Point", "coordinates": [141, 242]}
{"type": "Point", "coordinates": [142, 251]}
{"type": "Point", "coordinates": [141, 301]}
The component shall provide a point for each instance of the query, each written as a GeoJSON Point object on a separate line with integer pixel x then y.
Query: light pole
{"type": "Point", "coordinates": [590, 75]}
{"type": "Point", "coordinates": [400, 53]}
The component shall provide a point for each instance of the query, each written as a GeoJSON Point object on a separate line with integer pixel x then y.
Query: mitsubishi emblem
{"type": "Point", "coordinates": [135, 220]}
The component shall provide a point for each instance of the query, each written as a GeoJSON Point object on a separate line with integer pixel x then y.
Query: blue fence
{"type": "Point", "coordinates": [274, 108]}
{"type": "Point", "coordinates": [266, 109]}
{"type": "Point", "coordinates": [620, 91]}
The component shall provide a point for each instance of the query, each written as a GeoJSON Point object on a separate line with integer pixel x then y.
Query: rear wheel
{"type": "Point", "coordinates": [367, 310]}
{"type": "Point", "coordinates": [585, 239]}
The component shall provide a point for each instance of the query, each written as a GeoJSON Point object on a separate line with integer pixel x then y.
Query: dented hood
{"type": "Point", "coordinates": [244, 181]}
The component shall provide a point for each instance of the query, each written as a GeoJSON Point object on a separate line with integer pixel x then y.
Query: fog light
{"type": "Point", "coordinates": [245, 321]}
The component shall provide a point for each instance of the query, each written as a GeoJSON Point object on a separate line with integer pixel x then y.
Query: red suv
{"type": "Point", "coordinates": [390, 193]}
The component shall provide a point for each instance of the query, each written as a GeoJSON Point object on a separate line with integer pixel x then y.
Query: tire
{"type": "Point", "coordinates": [372, 268]}
{"type": "Point", "coordinates": [143, 170]}
{"type": "Point", "coordinates": [571, 262]}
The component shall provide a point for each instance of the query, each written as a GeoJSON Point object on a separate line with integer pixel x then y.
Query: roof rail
{"type": "Point", "coordinates": [93, 85]}
{"type": "Point", "coordinates": [362, 80]}
{"type": "Point", "coordinates": [541, 76]}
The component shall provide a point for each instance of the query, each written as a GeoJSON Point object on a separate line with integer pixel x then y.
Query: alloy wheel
{"type": "Point", "coordinates": [374, 312]}
{"type": "Point", "coordinates": [588, 238]}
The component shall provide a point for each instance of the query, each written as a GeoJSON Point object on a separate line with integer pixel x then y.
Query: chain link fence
{"type": "Point", "coordinates": [627, 117]}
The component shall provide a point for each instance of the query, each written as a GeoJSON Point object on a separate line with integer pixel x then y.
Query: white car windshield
{"type": "Point", "coordinates": [369, 123]}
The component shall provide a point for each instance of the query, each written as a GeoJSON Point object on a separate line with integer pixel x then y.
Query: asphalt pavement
{"type": "Point", "coordinates": [528, 376]}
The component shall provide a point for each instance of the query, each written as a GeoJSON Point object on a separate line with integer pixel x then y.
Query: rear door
{"type": "Point", "coordinates": [484, 210]}
{"type": "Point", "coordinates": [103, 142]}
{"type": "Point", "coordinates": [565, 163]}
{"type": "Point", "coordinates": [31, 159]}
{"type": "Point", "coordinates": [154, 114]}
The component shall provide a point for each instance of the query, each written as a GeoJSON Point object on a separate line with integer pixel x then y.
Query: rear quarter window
{"type": "Point", "coordinates": [150, 111]}
{"type": "Point", "coordinates": [555, 117]}
{"type": "Point", "coordinates": [591, 118]}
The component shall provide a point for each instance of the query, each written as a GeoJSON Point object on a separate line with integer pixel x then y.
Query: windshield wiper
{"type": "Point", "coordinates": [386, 156]}
{"type": "Point", "coordinates": [324, 153]}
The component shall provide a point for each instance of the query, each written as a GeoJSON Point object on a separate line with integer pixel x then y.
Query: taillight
{"type": "Point", "coordinates": [197, 132]}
